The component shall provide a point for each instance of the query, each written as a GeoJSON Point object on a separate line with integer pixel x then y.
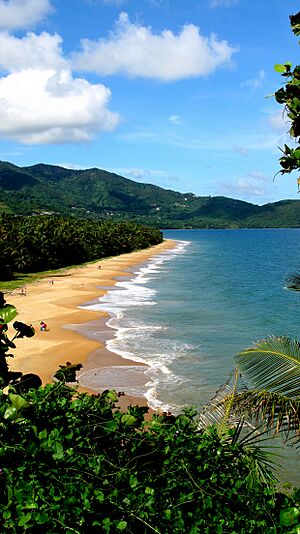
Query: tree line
{"type": "Point", "coordinates": [39, 243]}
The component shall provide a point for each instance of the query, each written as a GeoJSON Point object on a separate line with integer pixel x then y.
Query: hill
{"type": "Point", "coordinates": [98, 194]}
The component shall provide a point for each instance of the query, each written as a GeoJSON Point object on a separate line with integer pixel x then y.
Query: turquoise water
{"type": "Point", "coordinates": [188, 311]}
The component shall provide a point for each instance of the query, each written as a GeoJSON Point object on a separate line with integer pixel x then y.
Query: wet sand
{"type": "Point", "coordinates": [69, 336]}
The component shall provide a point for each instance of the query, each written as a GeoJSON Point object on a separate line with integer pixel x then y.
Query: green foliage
{"type": "Point", "coordinates": [273, 364]}
{"type": "Point", "coordinates": [48, 242]}
{"type": "Point", "coordinates": [17, 379]}
{"type": "Point", "coordinates": [96, 194]}
{"type": "Point", "coordinates": [7, 313]}
{"type": "Point", "coordinates": [271, 368]}
{"type": "Point", "coordinates": [289, 96]}
{"type": "Point", "coordinates": [71, 462]}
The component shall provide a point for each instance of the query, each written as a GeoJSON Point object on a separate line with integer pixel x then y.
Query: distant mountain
{"type": "Point", "coordinates": [98, 194]}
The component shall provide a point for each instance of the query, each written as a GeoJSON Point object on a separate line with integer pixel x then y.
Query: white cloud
{"type": "Point", "coordinates": [47, 106]}
{"type": "Point", "coordinates": [138, 52]}
{"type": "Point", "coordinates": [30, 51]}
{"type": "Point", "coordinates": [255, 83]}
{"type": "Point", "coordinates": [253, 185]}
{"type": "Point", "coordinates": [175, 119]}
{"type": "Point", "coordinates": [40, 100]}
{"type": "Point", "coordinates": [22, 13]}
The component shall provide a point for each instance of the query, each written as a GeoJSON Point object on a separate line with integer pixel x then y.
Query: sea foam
{"type": "Point", "coordinates": [135, 339]}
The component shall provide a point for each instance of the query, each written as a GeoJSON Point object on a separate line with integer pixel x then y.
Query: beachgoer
{"type": "Point", "coordinates": [23, 291]}
{"type": "Point", "coordinates": [43, 326]}
{"type": "Point", "coordinates": [99, 267]}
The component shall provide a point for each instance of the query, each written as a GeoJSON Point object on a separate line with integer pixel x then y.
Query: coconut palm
{"type": "Point", "coordinates": [272, 370]}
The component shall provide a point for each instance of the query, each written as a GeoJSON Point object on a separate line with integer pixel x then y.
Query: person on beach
{"type": "Point", "coordinates": [43, 326]}
{"type": "Point", "coordinates": [23, 291]}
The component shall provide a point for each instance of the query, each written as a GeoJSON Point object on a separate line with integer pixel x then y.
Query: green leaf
{"type": "Point", "coordinates": [112, 395]}
{"type": "Point", "coordinates": [272, 364]}
{"type": "Point", "coordinates": [18, 402]}
{"type": "Point", "coordinates": [59, 450]}
{"type": "Point", "coordinates": [99, 496]}
{"type": "Point", "coordinates": [106, 524]}
{"type": "Point", "coordinates": [133, 481]}
{"type": "Point", "coordinates": [121, 525]}
{"type": "Point", "coordinates": [42, 518]}
{"type": "Point", "coordinates": [128, 419]}
{"type": "Point", "coordinates": [24, 519]}
{"type": "Point", "coordinates": [8, 313]}
{"type": "Point", "coordinates": [168, 513]}
{"type": "Point", "coordinates": [279, 68]}
{"type": "Point", "coordinates": [9, 493]}
{"type": "Point", "coordinates": [10, 413]}
{"type": "Point", "coordinates": [289, 517]}
{"type": "Point", "coordinates": [30, 506]}
{"type": "Point", "coordinates": [43, 434]}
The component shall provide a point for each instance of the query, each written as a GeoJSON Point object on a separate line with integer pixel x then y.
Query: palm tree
{"type": "Point", "coordinates": [271, 368]}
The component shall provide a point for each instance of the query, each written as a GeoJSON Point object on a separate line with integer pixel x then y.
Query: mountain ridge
{"type": "Point", "coordinates": [97, 193]}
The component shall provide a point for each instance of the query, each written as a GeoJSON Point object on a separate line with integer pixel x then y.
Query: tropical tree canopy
{"type": "Point", "coordinates": [289, 96]}
{"type": "Point", "coordinates": [39, 243]}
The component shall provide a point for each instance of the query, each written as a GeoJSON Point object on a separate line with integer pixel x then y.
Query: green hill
{"type": "Point", "coordinates": [98, 194]}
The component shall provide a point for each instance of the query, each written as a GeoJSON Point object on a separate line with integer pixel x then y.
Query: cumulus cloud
{"type": "Point", "coordinates": [41, 101]}
{"type": "Point", "coordinates": [31, 51]}
{"type": "Point", "coordinates": [138, 52]}
{"type": "Point", "coordinates": [16, 14]}
{"type": "Point", "coordinates": [47, 106]}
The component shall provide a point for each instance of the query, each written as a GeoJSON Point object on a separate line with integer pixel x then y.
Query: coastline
{"type": "Point", "coordinates": [57, 304]}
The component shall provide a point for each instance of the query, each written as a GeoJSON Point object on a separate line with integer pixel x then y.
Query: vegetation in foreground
{"type": "Point", "coordinates": [73, 462]}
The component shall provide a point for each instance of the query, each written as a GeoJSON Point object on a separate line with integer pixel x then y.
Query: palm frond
{"type": "Point", "coordinates": [276, 412]}
{"type": "Point", "coordinates": [217, 410]}
{"type": "Point", "coordinates": [272, 364]}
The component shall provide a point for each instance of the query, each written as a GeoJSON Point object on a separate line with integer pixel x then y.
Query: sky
{"type": "Point", "coordinates": [177, 93]}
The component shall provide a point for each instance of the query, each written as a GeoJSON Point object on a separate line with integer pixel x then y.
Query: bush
{"type": "Point", "coordinates": [71, 462]}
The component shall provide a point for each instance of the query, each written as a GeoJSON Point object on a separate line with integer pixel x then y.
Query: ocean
{"type": "Point", "coordinates": [189, 310]}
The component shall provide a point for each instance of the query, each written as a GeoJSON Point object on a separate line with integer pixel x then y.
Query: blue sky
{"type": "Point", "coordinates": [169, 92]}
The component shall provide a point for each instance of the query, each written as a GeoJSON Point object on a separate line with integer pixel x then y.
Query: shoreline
{"type": "Point", "coordinates": [57, 304]}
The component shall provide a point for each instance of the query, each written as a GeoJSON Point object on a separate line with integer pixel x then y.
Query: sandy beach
{"type": "Point", "coordinates": [57, 305]}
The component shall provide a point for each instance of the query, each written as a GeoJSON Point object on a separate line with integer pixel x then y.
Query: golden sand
{"type": "Point", "coordinates": [57, 305]}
